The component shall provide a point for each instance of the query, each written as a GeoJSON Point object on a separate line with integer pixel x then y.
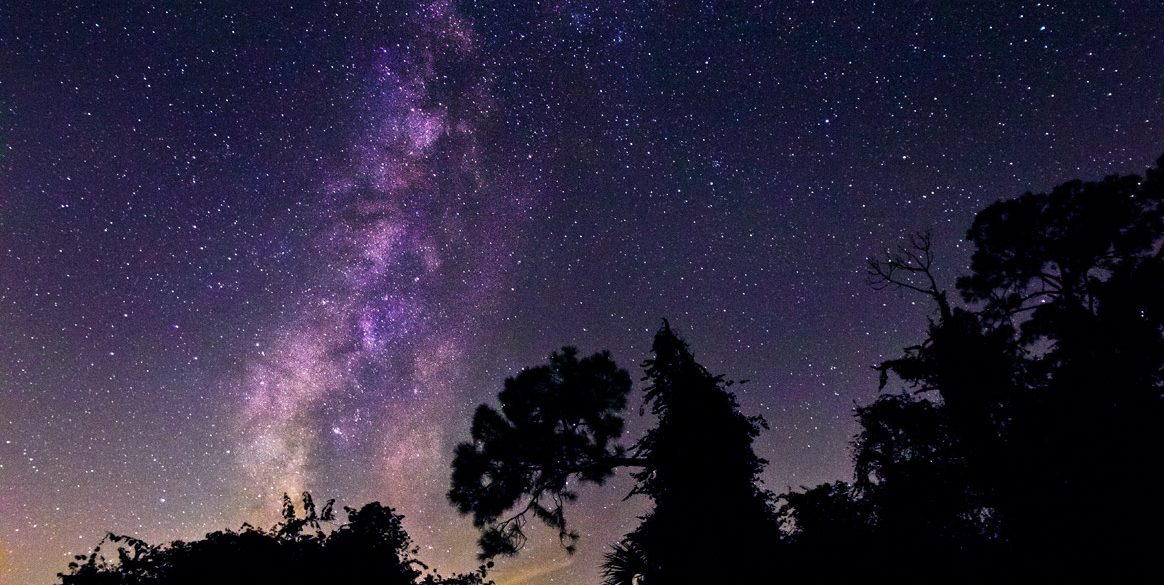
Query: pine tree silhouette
{"type": "Point", "coordinates": [701, 473]}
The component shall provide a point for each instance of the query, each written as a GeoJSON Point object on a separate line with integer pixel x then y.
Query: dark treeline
{"type": "Point", "coordinates": [1024, 443]}
{"type": "Point", "coordinates": [370, 547]}
{"type": "Point", "coordinates": [1021, 440]}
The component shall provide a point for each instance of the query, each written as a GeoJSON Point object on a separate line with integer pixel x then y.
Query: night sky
{"type": "Point", "coordinates": [249, 250]}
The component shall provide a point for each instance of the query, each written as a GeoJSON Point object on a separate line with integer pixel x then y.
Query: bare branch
{"type": "Point", "coordinates": [904, 268]}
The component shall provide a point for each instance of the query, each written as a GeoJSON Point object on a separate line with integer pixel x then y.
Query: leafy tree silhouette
{"type": "Point", "coordinates": [556, 422]}
{"type": "Point", "coordinates": [696, 465]}
{"type": "Point", "coordinates": [1023, 451]}
{"type": "Point", "coordinates": [1079, 273]}
{"type": "Point", "coordinates": [828, 534]}
{"type": "Point", "coordinates": [371, 547]}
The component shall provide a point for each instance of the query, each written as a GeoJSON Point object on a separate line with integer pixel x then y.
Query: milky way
{"type": "Point", "coordinates": [361, 383]}
{"type": "Point", "coordinates": [255, 248]}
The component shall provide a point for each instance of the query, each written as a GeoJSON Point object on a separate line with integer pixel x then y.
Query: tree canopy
{"type": "Point", "coordinates": [1027, 438]}
{"type": "Point", "coordinates": [556, 423]}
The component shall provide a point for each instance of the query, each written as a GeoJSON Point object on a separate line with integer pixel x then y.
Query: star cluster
{"type": "Point", "coordinates": [248, 249]}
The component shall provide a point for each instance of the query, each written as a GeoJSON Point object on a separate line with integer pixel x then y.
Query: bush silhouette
{"type": "Point", "coordinates": [371, 547]}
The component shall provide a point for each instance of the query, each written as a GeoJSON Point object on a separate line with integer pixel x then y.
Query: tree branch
{"type": "Point", "coordinates": [897, 270]}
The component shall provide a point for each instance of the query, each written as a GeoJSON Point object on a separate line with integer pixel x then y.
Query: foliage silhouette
{"type": "Point", "coordinates": [1036, 422]}
{"type": "Point", "coordinates": [1024, 443]}
{"type": "Point", "coordinates": [557, 422]}
{"type": "Point", "coordinates": [701, 473]}
{"type": "Point", "coordinates": [371, 547]}
{"type": "Point", "coordinates": [696, 465]}
{"type": "Point", "coordinates": [624, 563]}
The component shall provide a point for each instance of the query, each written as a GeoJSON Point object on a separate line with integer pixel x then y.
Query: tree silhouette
{"type": "Point", "coordinates": [1079, 273]}
{"type": "Point", "coordinates": [557, 423]}
{"type": "Point", "coordinates": [371, 547]}
{"type": "Point", "coordinates": [828, 535]}
{"type": "Point", "coordinates": [1024, 444]}
{"type": "Point", "coordinates": [696, 465]}
{"type": "Point", "coordinates": [1023, 451]}
{"type": "Point", "coordinates": [701, 473]}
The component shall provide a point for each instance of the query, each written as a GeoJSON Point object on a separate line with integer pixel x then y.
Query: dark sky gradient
{"type": "Point", "coordinates": [250, 250]}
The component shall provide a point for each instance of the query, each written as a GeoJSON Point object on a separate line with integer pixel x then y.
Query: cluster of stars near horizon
{"type": "Point", "coordinates": [248, 250]}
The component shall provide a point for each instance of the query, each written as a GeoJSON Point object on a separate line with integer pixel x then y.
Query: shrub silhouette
{"type": "Point", "coordinates": [371, 547]}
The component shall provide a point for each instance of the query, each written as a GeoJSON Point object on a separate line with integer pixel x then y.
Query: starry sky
{"type": "Point", "coordinates": [250, 248]}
